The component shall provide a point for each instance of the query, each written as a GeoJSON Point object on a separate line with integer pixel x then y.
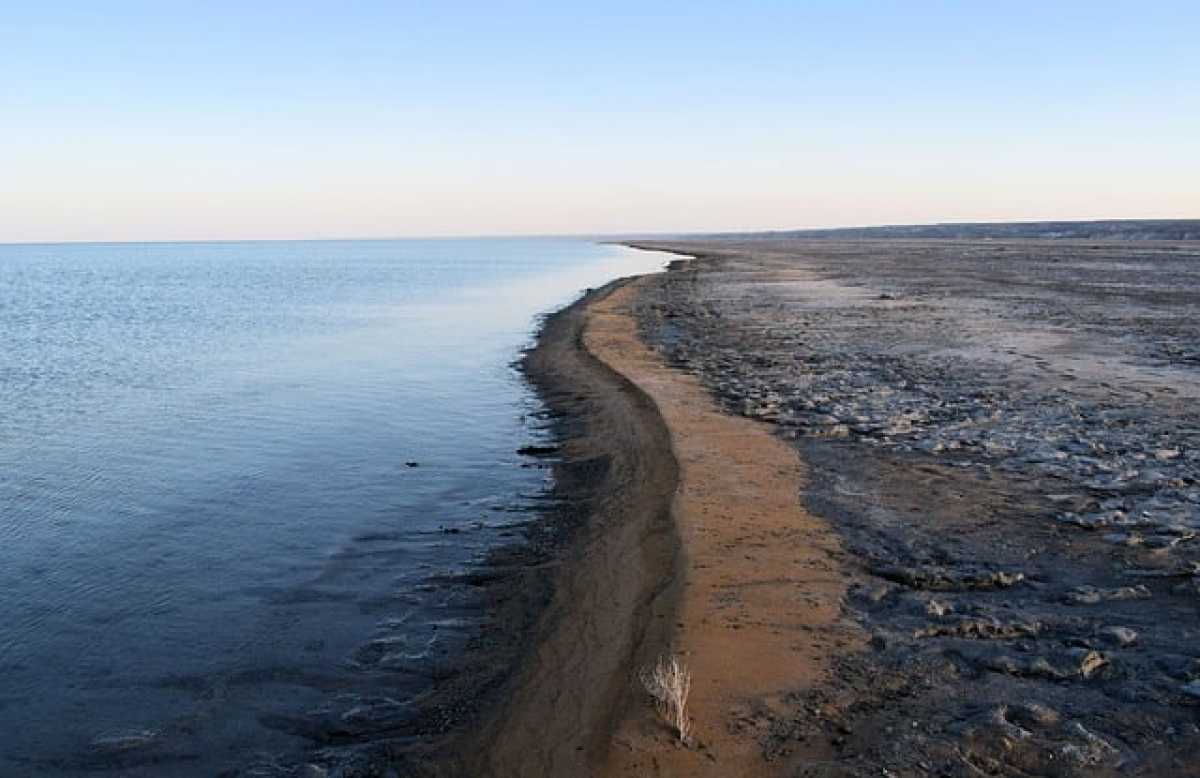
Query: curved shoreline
{"type": "Point", "coordinates": [758, 587]}
{"type": "Point", "coordinates": [615, 585]}
{"type": "Point", "coordinates": [695, 541]}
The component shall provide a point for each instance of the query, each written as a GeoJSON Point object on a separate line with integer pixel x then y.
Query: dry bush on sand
{"type": "Point", "coordinates": [669, 682]}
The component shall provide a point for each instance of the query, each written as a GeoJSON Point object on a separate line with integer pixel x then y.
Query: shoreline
{"type": "Point", "coordinates": [837, 606]}
{"type": "Point", "coordinates": [571, 608]}
{"type": "Point", "coordinates": [695, 541]}
{"type": "Point", "coordinates": [614, 582]}
{"type": "Point", "coordinates": [585, 596]}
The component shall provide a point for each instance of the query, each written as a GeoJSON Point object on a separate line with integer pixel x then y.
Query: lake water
{"type": "Point", "coordinates": [205, 503]}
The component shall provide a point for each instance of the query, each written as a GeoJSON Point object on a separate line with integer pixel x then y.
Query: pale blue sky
{"type": "Point", "coordinates": [173, 120]}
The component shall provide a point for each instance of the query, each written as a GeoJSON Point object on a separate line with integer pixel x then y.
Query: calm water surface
{"type": "Point", "coordinates": [205, 508]}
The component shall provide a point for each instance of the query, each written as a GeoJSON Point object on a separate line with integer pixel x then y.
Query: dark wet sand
{"type": "Point", "coordinates": [615, 587]}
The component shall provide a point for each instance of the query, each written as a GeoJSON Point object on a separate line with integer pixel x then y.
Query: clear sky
{"type": "Point", "coordinates": [208, 120]}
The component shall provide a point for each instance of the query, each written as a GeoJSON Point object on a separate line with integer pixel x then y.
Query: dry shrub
{"type": "Point", "coordinates": [669, 682]}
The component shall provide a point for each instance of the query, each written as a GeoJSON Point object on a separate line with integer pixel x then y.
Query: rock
{"type": "Point", "coordinates": [1121, 636]}
{"type": "Point", "coordinates": [938, 608]}
{"type": "Point", "coordinates": [1090, 662]}
{"type": "Point", "coordinates": [538, 451]}
{"type": "Point", "coordinates": [981, 629]}
{"type": "Point", "coordinates": [1034, 715]}
{"type": "Point", "coordinates": [1062, 666]}
{"type": "Point", "coordinates": [941, 579]}
{"type": "Point", "coordinates": [1090, 595]}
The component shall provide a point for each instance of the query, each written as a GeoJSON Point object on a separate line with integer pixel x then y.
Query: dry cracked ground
{"type": "Point", "coordinates": [1006, 435]}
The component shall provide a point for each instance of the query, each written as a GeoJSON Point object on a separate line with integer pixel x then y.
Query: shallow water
{"type": "Point", "coordinates": [205, 504]}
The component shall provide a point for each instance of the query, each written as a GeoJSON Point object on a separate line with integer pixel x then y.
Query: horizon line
{"type": "Point", "coordinates": [588, 235]}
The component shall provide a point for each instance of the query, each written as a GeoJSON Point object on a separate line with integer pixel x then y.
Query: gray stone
{"type": "Point", "coordinates": [1121, 636]}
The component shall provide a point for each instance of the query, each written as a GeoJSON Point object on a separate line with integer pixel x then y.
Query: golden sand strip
{"type": "Point", "coordinates": [759, 610]}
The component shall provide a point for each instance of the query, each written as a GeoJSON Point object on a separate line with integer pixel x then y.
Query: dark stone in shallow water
{"type": "Point", "coordinates": [538, 451]}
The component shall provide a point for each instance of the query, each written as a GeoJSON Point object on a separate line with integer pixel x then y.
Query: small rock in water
{"type": "Point", "coordinates": [537, 451]}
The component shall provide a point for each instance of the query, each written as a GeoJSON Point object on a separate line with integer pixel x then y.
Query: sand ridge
{"type": "Point", "coordinates": [759, 611]}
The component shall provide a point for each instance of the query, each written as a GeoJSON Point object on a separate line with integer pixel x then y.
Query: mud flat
{"type": "Point", "coordinates": [1005, 437]}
